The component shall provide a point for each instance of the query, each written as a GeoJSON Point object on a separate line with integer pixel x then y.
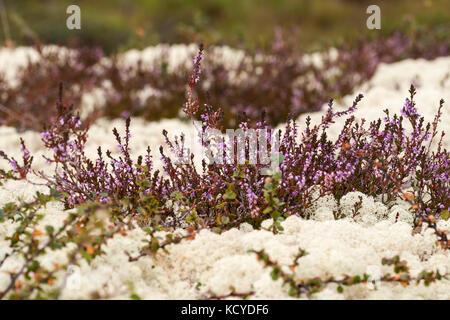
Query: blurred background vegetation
{"type": "Point", "coordinates": [116, 25]}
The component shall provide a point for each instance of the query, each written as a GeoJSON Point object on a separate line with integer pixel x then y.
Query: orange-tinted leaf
{"type": "Point", "coordinates": [191, 237]}
{"type": "Point", "coordinates": [190, 229]}
{"type": "Point", "coordinates": [408, 196]}
{"type": "Point", "coordinates": [140, 32]}
{"type": "Point", "coordinates": [37, 233]}
{"type": "Point", "coordinates": [345, 146]}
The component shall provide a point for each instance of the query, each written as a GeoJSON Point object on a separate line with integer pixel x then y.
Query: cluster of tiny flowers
{"type": "Point", "coordinates": [197, 63]}
{"type": "Point", "coordinates": [18, 171]}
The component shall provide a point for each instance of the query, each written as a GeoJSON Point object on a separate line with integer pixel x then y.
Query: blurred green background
{"type": "Point", "coordinates": [117, 25]}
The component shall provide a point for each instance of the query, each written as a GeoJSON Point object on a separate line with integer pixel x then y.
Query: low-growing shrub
{"type": "Point", "coordinates": [284, 82]}
{"type": "Point", "coordinates": [26, 105]}
{"type": "Point", "coordinates": [380, 159]}
{"type": "Point", "coordinates": [84, 231]}
{"type": "Point", "coordinates": [310, 286]}
{"type": "Point", "coordinates": [280, 80]}
{"type": "Point", "coordinates": [82, 235]}
{"type": "Point", "coordinates": [112, 194]}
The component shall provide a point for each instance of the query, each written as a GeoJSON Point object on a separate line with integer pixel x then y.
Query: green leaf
{"type": "Point", "coordinates": [268, 185]}
{"type": "Point", "coordinates": [49, 229]}
{"type": "Point", "coordinates": [445, 215]}
{"type": "Point", "coordinates": [33, 266]}
{"type": "Point", "coordinates": [56, 245]}
{"type": "Point", "coordinates": [277, 176]}
{"type": "Point", "coordinates": [267, 210]}
{"type": "Point", "coordinates": [147, 184]}
{"type": "Point", "coordinates": [134, 296]}
{"type": "Point", "coordinates": [275, 215]}
{"type": "Point", "coordinates": [177, 195]}
{"type": "Point", "coordinates": [340, 289]}
{"type": "Point", "coordinates": [221, 205]}
{"type": "Point", "coordinates": [239, 174]}
{"type": "Point", "coordinates": [275, 274]}
{"type": "Point", "coordinates": [164, 67]}
{"type": "Point", "coordinates": [229, 195]}
{"type": "Point", "coordinates": [86, 256]}
{"type": "Point", "coordinates": [292, 291]}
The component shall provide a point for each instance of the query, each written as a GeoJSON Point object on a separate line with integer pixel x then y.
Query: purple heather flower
{"type": "Point", "coordinates": [408, 109]}
{"type": "Point", "coordinates": [14, 165]}
{"type": "Point", "coordinates": [46, 135]}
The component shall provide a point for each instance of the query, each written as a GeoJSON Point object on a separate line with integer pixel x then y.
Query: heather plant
{"type": "Point", "coordinates": [26, 105]}
{"type": "Point", "coordinates": [397, 157]}
{"type": "Point", "coordinates": [279, 80]}
{"type": "Point", "coordinates": [123, 99]}
{"type": "Point", "coordinates": [81, 179]}
{"type": "Point", "coordinates": [381, 160]}
{"type": "Point", "coordinates": [18, 171]}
